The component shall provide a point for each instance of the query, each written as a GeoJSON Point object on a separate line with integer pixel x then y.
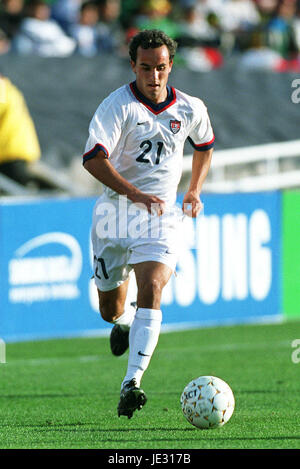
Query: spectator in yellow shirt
{"type": "Point", "coordinates": [19, 145]}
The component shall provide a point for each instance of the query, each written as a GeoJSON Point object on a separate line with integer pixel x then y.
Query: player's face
{"type": "Point", "coordinates": [152, 68]}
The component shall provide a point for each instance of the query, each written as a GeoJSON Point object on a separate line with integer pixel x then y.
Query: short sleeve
{"type": "Point", "coordinates": [105, 129]}
{"type": "Point", "coordinates": [201, 136]}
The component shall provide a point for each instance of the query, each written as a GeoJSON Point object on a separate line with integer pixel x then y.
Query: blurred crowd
{"type": "Point", "coordinates": [260, 33]}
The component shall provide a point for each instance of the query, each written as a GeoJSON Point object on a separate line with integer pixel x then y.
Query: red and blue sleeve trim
{"type": "Point", "coordinates": [202, 146]}
{"type": "Point", "coordinates": [93, 152]}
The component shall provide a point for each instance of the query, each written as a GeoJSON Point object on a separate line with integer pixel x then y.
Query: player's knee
{"type": "Point", "coordinates": [150, 289]}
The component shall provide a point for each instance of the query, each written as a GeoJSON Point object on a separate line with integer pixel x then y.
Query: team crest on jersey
{"type": "Point", "coordinates": [175, 126]}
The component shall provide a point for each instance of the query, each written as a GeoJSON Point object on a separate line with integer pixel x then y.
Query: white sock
{"type": "Point", "coordinates": [143, 338]}
{"type": "Point", "coordinates": [126, 319]}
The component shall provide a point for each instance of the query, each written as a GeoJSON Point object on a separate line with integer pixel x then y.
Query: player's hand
{"type": "Point", "coordinates": [154, 205]}
{"type": "Point", "coordinates": [192, 204]}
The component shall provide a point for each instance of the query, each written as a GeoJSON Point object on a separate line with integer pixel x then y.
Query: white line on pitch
{"type": "Point", "coordinates": [94, 358]}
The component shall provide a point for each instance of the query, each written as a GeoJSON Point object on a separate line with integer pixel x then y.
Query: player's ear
{"type": "Point", "coordinates": [133, 65]}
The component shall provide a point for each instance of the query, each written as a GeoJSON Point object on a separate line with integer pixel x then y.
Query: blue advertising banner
{"type": "Point", "coordinates": [45, 268]}
{"type": "Point", "coordinates": [229, 266]}
{"type": "Point", "coordinates": [228, 269]}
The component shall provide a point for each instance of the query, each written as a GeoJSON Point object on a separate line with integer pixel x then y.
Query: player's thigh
{"type": "Point", "coordinates": [151, 278]}
{"type": "Point", "coordinates": [112, 302]}
{"type": "Point", "coordinates": [111, 276]}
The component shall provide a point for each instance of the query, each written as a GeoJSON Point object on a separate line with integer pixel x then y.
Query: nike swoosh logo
{"type": "Point", "coordinates": [143, 354]}
{"type": "Point", "coordinates": [141, 123]}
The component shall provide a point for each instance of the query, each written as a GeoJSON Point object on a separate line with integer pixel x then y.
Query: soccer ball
{"type": "Point", "coordinates": [207, 402]}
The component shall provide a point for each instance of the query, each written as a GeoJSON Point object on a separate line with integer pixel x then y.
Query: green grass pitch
{"type": "Point", "coordinates": [64, 393]}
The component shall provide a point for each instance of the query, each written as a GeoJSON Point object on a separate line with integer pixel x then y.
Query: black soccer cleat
{"type": "Point", "coordinates": [119, 340]}
{"type": "Point", "coordinates": [131, 398]}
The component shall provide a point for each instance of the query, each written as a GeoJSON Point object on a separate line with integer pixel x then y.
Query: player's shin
{"type": "Point", "coordinates": [143, 338]}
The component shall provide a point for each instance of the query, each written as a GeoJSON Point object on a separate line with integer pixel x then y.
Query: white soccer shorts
{"type": "Point", "coordinates": [124, 234]}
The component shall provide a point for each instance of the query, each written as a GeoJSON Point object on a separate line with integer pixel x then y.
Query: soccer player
{"type": "Point", "coordinates": [135, 148]}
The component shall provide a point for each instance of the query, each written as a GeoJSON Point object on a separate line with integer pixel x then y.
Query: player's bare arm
{"type": "Point", "coordinates": [192, 204]}
{"type": "Point", "coordinates": [101, 168]}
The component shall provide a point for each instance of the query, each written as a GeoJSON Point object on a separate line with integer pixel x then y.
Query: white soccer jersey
{"type": "Point", "coordinates": [144, 142]}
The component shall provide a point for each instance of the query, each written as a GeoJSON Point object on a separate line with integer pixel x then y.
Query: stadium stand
{"type": "Point", "coordinates": [240, 56]}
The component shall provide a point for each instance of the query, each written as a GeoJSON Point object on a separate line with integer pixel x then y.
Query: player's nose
{"type": "Point", "coordinates": [155, 74]}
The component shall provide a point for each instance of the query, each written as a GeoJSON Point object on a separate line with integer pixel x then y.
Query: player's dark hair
{"type": "Point", "coordinates": [151, 38]}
